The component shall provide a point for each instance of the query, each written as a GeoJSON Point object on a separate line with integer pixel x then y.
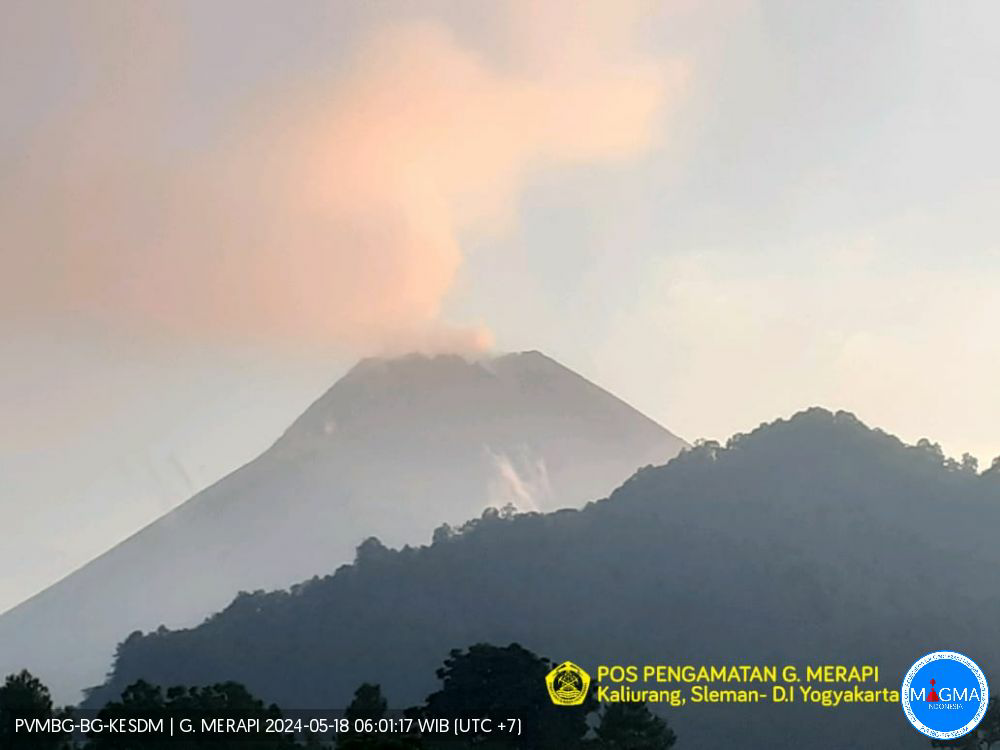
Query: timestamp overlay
{"type": "Point", "coordinates": [255, 725]}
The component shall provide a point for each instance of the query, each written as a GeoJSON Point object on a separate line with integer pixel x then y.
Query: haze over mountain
{"type": "Point", "coordinates": [809, 541]}
{"type": "Point", "coordinates": [393, 449]}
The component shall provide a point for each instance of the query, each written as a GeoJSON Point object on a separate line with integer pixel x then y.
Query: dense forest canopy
{"type": "Point", "coordinates": [811, 540]}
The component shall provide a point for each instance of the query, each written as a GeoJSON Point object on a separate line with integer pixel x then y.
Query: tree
{"type": "Point", "coordinates": [369, 705]}
{"type": "Point", "coordinates": [631, 726]}
{"type": "Point", "coordinates": [23, 696]}
{"type": "Point", "coordinates": [228, 700]}
{"type": "Point", "coordinates": [503, 684]}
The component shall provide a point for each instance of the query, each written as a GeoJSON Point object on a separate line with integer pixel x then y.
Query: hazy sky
{"type": "Point", "coordinates": [722, 212]}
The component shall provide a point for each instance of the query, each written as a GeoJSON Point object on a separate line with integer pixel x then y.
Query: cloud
{"type": "Point", "coordinates": [328, 209]}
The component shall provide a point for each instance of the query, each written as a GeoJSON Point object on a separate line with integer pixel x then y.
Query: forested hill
{"type": "Point", "coordinates": [814, 540]}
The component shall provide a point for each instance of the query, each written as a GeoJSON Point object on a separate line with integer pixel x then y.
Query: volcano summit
{"type": "Point", "coordinates": [394, 449]}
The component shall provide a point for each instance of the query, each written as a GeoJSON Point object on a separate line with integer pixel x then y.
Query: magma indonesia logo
{"type": "Point", "coordinates": [567, 684]}
{"type": "Point", "coordinates": [945, 695]}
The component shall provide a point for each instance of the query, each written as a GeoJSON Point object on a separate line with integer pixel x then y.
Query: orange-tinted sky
{"type": "Point", "coordinates": [326, 207]}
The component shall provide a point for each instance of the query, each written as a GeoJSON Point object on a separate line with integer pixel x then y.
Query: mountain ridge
{"type": "Point", "coordinates": [802, 542]}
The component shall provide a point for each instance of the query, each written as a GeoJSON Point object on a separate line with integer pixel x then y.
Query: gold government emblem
{"type": "Point", "coordinates": [567, 684]}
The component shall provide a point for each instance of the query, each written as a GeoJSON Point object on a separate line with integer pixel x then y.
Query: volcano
{"type": "Point", "coordinates": [395, 449]}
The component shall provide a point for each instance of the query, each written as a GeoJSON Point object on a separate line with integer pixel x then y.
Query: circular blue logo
{"type": "Point", "coordinates": [945, 695]}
